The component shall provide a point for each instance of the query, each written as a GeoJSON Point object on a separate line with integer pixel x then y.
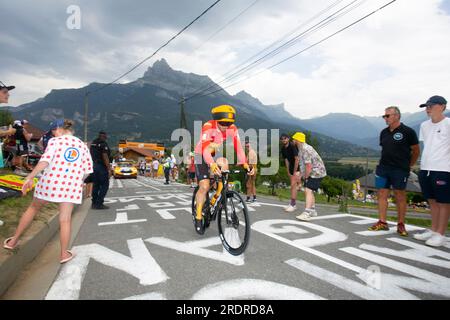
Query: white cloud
{"type": "Point", "coordinates": [398, 56]}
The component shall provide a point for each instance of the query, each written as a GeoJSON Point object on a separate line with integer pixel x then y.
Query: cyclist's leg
{"type": "Point", "coordinates": [202, 173]}
{"type": "Point", "coordinates": [200, 198]}
{"type": "Point", "coordinates": [223, 165]}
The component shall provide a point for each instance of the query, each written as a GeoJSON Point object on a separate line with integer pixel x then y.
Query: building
{"type": "Point", "coordinates": [138, 151]}
{"type": "Point", "coordinates": [37, 135]}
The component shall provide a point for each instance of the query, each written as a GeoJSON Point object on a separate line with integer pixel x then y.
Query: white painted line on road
{"type": "Point", "coordinates": [252, 289]}
{"type": "Point", "coordinates": [272, 204]}
{"type": "Point", "coordinates": [392, 230]}
{"type": "Point", "coordinates": [121, 218]}
{"type": "Point", "coordinates": [419, 253]}
{"type": "Point", "coordinates": [148, 296]}
{"type": "Point", "coordinates": [198, 249]}
{"type": "Point", "coordinates": [184, 203]}
{"type": "Point", "coordinates": [165, 214]}
{"type": "Point", "coordinates": [147, 185]}
{"type": "Point", "coordinates": [140, 265]}
{"type": "Point", "coordinates": [161, 205]}
{"type": "Point", "coordinates": [129, 207]}
{"type": "Point", "coordinates": [329, 216]}
{"type": "Point", "coordinates": [362, 222]}
{"type": "Point", "coordinates": [432, 283]}
{"type": "Point", "coordinates": [119, 184]}
{"type": "Point", "coordinates": [268, 230]}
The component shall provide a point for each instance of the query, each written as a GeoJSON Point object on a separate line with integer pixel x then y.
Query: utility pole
{"type": "Point", "coordinates": [367, 173]}
{"type": "Point", "coordinates": [183, 124]}
{"type": "Point", "coordinates": [86, 107]}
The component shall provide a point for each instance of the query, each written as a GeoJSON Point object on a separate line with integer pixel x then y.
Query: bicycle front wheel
{"type": "Point", "coordinates": [234, 224]}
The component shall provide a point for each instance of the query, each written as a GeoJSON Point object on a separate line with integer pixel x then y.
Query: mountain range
{"type": "Point", "coordinates": [148, 109]}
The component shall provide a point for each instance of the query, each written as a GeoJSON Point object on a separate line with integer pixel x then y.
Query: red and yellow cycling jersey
{"type": "Point", "coordinates": [212, 139]}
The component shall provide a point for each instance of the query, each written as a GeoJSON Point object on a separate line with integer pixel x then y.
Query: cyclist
{"type": "Point", "coordinates": [214, 133]}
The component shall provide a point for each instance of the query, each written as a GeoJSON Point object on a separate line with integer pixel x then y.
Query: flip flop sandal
{"type": "Point", "coordinates": [67, 259]}
{"type": "Point", "coordinates": [6, 246]}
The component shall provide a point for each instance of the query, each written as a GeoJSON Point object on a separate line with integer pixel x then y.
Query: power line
{"type": "Point", "coordinates": [221, 29]}
{"type": "Point", "coordinates": [277, 50]}
{"type": "Point", "coordinates": [159, 49]}
{"type": "Point", "coordinates": [288, 44]}
{"type": "Point", "coordinates": [303, 50]}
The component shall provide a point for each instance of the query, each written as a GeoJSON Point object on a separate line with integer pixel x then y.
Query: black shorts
{"type": "Point", "coordinates": [192, 175]}
{"type": "Point", "coordinates": [435, 185]}
{"type": "Point", "coordinates": [313, 183]}
{"type": "Point", "coordinates": [385, 177]}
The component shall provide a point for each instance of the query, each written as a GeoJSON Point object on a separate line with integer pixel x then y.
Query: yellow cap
{"type": "Point", "coordinates": [299, 136]}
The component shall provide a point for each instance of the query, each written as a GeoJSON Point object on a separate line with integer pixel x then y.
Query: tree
{"type": "Point", "coordinates": [333, 187]}
{"type": "Point", "coordinates": [6, 118]}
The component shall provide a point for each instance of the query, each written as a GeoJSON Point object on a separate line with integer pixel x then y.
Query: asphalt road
{"type": "Point", "coordinates": [145, 247]}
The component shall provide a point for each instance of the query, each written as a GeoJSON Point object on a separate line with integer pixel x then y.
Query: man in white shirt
{"type": "Point", "coordinates": [434, 174]}
{"type": "Point", "coordinates": [155, 165]}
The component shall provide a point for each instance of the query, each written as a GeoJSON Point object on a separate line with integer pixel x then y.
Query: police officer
{"type": "Point", "coordinates": [101, 155]}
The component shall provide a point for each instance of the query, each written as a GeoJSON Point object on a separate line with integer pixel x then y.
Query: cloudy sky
{"type": "Point", "coordinates": [399, 56]}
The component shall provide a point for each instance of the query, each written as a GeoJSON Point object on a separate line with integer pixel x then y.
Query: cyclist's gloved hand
{"type": "Point", "coordinates": [215, 169]}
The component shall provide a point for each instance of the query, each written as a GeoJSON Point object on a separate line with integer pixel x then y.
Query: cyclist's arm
{"type": "Point", "coordinates": [203, 146]}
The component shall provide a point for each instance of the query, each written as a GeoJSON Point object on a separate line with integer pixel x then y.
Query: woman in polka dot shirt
{"type": "Point", "coordinates": [66, 162]}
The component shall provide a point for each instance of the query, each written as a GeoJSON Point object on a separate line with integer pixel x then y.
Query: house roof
{"type": "Point", "coordinates": [141, 151]}
{"type": "Point", "coordinates": [411, 186]}
{"type": "Point", "coordinates": [37, 133]}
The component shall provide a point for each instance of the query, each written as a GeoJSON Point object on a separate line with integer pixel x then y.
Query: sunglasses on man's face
{"type": "Point", "coordinates": [386, 116]}
{"type": "Point", "coordinates": [225, 124]}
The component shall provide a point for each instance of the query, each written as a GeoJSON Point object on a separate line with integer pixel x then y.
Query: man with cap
{"type": "Point", "coordinates": [399, 152]}
{"type": "Point", "coordinates": [101, 155]}
{"type": "Point", "coordinates": [314, 172]}
{"type": "Point", "coordinates": [4, 92]}
{"type": "Point", "coordinates": [434, 176]}
{"type": "Point", "coordinates": [58, 123]}
{"type": "Point", "coordinates": [4, 97]}
{"type": "Point", "coordinates": [290, 155]}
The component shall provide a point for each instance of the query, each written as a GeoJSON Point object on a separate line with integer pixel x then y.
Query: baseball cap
{"type": "Point", "coordinates": [434, 100]}
{"type": "Point", "coordinates": [58, 123]}
{"type": "Point", "coordinates": [102, 132]}
{"type": "Point", "coordinates": [4, 86]}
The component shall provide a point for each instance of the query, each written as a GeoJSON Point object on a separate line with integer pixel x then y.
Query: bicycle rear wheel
{"type": "Point", "coordinates": [234, 224]}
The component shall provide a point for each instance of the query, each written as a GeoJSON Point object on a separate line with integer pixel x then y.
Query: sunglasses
{"type": "Point", "coordinates": [386, 116]}
{"type": "Point", "coordinates": [225, 124]}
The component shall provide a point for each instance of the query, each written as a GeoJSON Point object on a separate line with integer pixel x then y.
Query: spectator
{"type": "Point", "coordinates": [22, 137]}
{"type": "Point", "coordinates": [251, 176]}
{"type": "Point", "coordinates": [290, 155]}
{"type": "Point", "coordinates": [166, 166]}
{"type": "Point", "coordinates": [142, 167]}
{"type": "Point", "coordinates": [191, 171]}
{"type": "Point", "coordinates": [155, 165]}
{"type": "Point", "coordinates": [434, 177]}
{"type": "Point", "coordinates": [61, 183]}
{"type": "Point", "coordinates": [101, 155]}
{"type": "Point", "coordinates": [4, 92]}
{"type": "Point", "coordinates": [314, 172]}
{"type": "Point", "coordinates": [399, 152]}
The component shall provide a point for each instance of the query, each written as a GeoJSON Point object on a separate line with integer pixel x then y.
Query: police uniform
{"type": "Point", "coordinates": [100, 176]}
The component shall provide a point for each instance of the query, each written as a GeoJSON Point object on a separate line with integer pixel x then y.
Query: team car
{"type": "Point", "coordinates": [124, 170]}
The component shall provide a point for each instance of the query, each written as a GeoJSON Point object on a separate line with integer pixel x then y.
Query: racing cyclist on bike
{"type": "Point", "coordinates": [214, 133]}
